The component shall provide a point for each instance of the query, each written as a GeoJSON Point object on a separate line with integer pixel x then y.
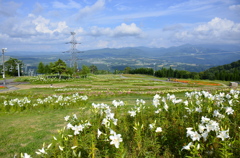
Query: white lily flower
{"type": "Point", "coordinates": [25, 155]}
{"type": "Point", "coordinates": [41, 151]}
{"type": "Point", "coordinates": [98, 133]}
{"type": "Point", "coordinates": [195, 136]}
{"type": "Point", "coordinates": [223, 134]}
{"type": "Point", "coordinates": [205, 119]}
{"type": "Point", "coordinates": [66, 118]}
{"type": "Point", "coordinates": [115, 139]}
{"type": "Point", "coordinates": [204, 135]}
{"type": "Point", "coordinates": [159, 129]}
{"type": "Point", "coordinates": [73, 147]}
{"type": "Point", "coordinates": [132, 113]}
{"type": "Point", "coordinates": [229, 110]}
{"type": "Point", "coordinates": [187, 147]}
{"type": "Point", "coordinates": [61, 148]}
{"type": "Point", "coordinates": [77, 129]}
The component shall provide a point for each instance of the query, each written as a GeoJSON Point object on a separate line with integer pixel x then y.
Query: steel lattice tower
{"type": "Point", "coordinates": [73, 51]}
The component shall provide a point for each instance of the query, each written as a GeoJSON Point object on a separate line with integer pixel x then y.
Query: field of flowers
{"type": "Point", "coordinates": [200, 125]}
{"type": "Point", "coordinates": [50, 102]}
{"type": "Point", "coordinates": [173, 122]}
{"type": "Point", "coordinates": [2, 87]}
{"type": "Point", "coordinates": [197, 82]}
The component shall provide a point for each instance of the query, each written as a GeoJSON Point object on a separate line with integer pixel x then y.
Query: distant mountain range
{"type": "Point", "coordinates": [186, 54]}
{"type": "Point", "coordinates": [189, 54]}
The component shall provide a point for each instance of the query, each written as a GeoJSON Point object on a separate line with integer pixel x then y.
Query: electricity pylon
{"type": "Point", "coordinates": [73, 51]}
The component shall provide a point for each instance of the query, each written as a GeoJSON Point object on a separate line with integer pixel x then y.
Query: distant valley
{"type": "Point", "coordinates": [188, 57]}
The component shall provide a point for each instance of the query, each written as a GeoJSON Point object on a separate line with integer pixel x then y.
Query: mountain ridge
{"type": "Point", "coordinates": [188, 54]}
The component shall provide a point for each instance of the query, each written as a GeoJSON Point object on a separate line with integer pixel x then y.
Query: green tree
{"type": "Point", "coordinates": [70, 71]}
{"type": "Point", "coordinates": [85, 70]}
{"type": "Point", "coordinates": [11, 67]}
{"type": "Point", "coordinates": [127, 70]}
{"type": "Point", "coordinates": [41, 68]}
{"type": "Point", "coordinates": [47, 69]}
{"type": "Point", "coordinates": [59, 67]}
{"type": "Point", "coordinates": [93, 69]}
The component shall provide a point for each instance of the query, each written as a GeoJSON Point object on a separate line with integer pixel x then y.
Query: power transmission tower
{"type": "Point", "coordinates": [73, 51]}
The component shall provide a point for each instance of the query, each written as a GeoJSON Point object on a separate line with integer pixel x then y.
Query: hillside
{"type": "Point", "coordinates": [227, 67]}
{"type": "Point", "coordinates": [225, 72]}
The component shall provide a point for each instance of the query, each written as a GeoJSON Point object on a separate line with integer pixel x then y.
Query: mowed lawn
{"type": "Point", "coordinates": [26, 131]}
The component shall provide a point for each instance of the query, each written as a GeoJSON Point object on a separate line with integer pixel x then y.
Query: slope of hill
{"type": "Point", "coordinates": [227, 67]}
{"type": "Point", "coordinates": [228, 72]}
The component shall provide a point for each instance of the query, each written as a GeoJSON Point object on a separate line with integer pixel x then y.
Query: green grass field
{"type": "Point", "coordinates": [24, 130]}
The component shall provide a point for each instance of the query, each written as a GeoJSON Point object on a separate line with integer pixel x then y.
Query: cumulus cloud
{"type": "Point", "coordinates": [43, 25]}
{"type": "Point", "coordinates": [34, 29]}
{"type": "Point", "coordinates": [215, 31]}
{"type": "Point", "coordinates": [70, 5]}
{"type": "Point", "coordinates": [129, 30]}
{"type": "Point", "coordinates": [89, 10]}
{"type": "Point", "coordinates": [121, 30]}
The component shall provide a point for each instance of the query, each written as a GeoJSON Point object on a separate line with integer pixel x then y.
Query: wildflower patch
{"type": "Point", "coordinates": [201, 124]}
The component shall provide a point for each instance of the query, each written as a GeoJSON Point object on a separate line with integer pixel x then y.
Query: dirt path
{"type": "Point", "coordinates": [11, 85]}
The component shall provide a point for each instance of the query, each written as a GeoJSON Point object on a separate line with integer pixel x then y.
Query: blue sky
{"type": "Point", "coordinates": [45, 25]}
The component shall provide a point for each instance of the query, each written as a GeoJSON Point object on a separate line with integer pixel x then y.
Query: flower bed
{"type": "Point", "coordinates": [197, 82]}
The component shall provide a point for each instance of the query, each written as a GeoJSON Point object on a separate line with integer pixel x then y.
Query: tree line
{"type": "Point", "coordinates": [228, 72]}
{"type": "Point", "coordinates": [59, 67]}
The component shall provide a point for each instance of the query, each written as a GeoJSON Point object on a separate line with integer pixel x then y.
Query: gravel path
{"type": "Point", "coordinates": [10, 84]}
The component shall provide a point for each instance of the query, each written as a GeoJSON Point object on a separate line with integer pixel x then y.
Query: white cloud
{"type": "Point", "coordinates": [43, 25]}
{"type": "Point", "coordinates": [97, 31]}
{"type": "Point", "coordinates": [102, 44]}
{"type": "Point", "coordinates": [121, 30]}
{"type": "Point", "coordinates": [61, 26]}
{"type": "Point", "coordinates": [70, 5]}
{"type": "Point", "coordinates": [80, 30]}
{"type": "Point", "coordinates": [89, 10]}
{"type": "Point", "coordinates": [235, 7]}
{"type": "Point", "coordinates": [34, 30]}
{"type": "Point", "coordinates": [127, 30]}
{"type": "Point", "coordinates": [215, 31]}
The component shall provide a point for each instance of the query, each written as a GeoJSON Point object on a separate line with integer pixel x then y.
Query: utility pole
{"type": "Point", "coordinates": [73, 51]}
{"type": "Point", "coordinates": [18, 67]}
{"type": "Point", "coordinates": [154, 69]}
{"type": "Point", "coordinates": [3, 70]}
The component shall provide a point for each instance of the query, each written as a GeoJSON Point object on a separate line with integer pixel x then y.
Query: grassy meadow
{"type": "Point", "coordinates": [119, 116]}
